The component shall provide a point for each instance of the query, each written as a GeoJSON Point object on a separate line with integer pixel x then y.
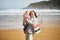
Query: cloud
{"type": "Point", "coordinates": [17, 3]}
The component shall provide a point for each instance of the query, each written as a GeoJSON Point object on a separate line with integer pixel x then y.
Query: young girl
{"type": "Point", "coordinates": [25, 18]}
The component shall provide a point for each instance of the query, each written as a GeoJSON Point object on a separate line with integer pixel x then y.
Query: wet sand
{"type": "Point", "coordinates": [49, 31]}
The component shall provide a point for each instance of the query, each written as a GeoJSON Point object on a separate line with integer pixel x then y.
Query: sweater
{"type": "Point", "coordinates": [34, 22]}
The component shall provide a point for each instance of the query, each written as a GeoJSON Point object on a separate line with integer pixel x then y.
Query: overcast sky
{"type": "Point", "coordinates": [16, 3]}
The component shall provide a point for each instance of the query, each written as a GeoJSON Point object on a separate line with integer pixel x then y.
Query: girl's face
{"type": "Point", "coordinates": [27, 13]}
{"type": "Point", "coordinates": [32, 14]}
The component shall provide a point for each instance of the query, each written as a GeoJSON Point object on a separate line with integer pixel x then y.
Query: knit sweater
{"type": "Point", "coordinates": [33, 22]}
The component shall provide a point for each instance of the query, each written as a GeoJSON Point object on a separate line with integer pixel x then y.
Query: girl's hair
{"type": "Point", "coordinates": [34, 13]}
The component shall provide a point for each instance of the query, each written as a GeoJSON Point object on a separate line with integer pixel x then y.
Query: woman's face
{"type": "Point", "coordinates": [32, 14]}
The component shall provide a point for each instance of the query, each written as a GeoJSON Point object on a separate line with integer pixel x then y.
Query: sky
{"type": "Point", "coordinates": [16, 3]}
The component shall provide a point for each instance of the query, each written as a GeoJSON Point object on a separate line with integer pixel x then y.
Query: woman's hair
{"type": "Point", "coordinates": [34, 13]}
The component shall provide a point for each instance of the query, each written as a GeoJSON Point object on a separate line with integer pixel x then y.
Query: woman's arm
{"type": "Point", "coordinates": [32, 21]}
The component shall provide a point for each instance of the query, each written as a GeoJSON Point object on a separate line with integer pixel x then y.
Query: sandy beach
{"type": "Point", "coordinates": [12, 16]}
{"type": "Point", "coordinates": [49, 31]}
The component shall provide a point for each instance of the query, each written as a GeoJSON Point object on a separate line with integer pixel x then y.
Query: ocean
{"type": "Point", "coordinates": [14, 20]}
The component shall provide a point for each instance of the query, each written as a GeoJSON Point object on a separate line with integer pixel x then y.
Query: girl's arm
{"type": "Point", "coordinates": [24, 22]}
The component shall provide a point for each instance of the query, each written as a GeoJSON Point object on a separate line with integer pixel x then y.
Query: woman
{"type": "Point", "coordinates": [31, 23]}
{"type": "Point", "coordinates": [34, 22]}
{"type": "Point", "coordinates": [33, 26]}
